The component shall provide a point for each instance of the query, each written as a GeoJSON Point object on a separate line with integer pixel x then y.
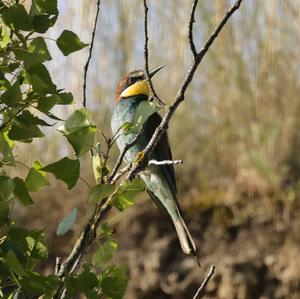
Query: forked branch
{"type": "Point", "coordinates": [186, 82]}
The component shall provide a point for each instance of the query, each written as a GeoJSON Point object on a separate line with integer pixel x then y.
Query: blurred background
{"type": "Point", "coordinates": [237, 132]}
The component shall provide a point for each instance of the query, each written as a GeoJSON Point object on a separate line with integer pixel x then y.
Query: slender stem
{"type": "Point", "coordinates": [86, 67]}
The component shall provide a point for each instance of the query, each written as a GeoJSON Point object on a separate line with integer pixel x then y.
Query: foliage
{"type": "Point", "coordinates": [28, 95]}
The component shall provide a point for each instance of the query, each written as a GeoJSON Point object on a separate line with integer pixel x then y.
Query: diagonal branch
{"type": "Point", "coordinates": [203, 285]}
{"type": "Point", "coordinates": [181, 92]}
{"type": "Point", "coordinates": [146, 55]}
{"type": "Point", "coordinates": [86, 67]}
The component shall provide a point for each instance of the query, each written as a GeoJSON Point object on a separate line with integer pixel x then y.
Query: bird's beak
{"type": "Point", "coordinates": [154, 71]}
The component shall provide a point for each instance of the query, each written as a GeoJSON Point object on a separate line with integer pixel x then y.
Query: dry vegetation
{"type": "Point", "coordinates": [238, 134]}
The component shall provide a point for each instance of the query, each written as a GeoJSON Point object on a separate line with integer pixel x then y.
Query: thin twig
{"type": "Point", "coordinates": [86, 67]}
{"type": "Point", "coordinates": [191, 23]}
{"type": "Point", "coordinates": [203, 285]}
{"type": "Point", "coordinates": [165, 162]}
{"type": "Point", "coordinates": [120, 173]}
{"type": "Point", "coordinates": [146, 67]}
{"type": "Point", "coordinates": [123, 153]}
{"type": "Point", "coordinates": [57, 265]}
{"type": "Point", "coordinates": [181, 92]}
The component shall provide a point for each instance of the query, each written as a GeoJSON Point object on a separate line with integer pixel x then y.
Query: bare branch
{"type": "Point", "coordinates": [57, 265]}
{"type": "Point", "coordinates": [191, 23]}
{"type": "Point", "coordinates": [146, 55]}
{"type": "Point", "coordinates": [203, 285]}
{"type": "Point", "coordinates": [165, 162]}
{"type": "Point", "coordinates": [120, 173]}
{"type": "Point", "coordinates": [86, 67]}
{"type": "Point", "coordinates": [181, 92]}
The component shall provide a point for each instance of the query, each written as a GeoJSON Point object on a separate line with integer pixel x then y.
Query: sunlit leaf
{"type": "Point", "coordinates": [66, 170]}
{"type": "Point", "coordinates": [68, 42]}
{"type": "Point", "coordinates": [36, 178]}
{"type": "Point", "coordinates": [67, 223]}
{"type": "Point", "coordinates": [142, 113]}
{"type": "Point", "coordinates": [123, 197]}
{"type": "Point", "coordinates": [79, 131]}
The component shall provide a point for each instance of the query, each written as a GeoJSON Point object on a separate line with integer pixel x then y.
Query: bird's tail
{"type": "Point", "coordinates": [186, 241]}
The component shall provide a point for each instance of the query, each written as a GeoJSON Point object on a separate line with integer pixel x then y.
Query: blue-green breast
{"type": "Point", "coordinates": [124, 112]}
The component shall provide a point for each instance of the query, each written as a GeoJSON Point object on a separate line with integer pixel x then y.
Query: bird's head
{"type": "Point", "coordinates": [134, 84]}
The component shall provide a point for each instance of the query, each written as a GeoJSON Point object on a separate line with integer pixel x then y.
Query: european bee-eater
{"type": "Point", "coordinates": [160, 181]}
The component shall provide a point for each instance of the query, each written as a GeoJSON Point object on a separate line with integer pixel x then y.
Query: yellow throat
{"type": "Point", "coordinates": [140, 87]}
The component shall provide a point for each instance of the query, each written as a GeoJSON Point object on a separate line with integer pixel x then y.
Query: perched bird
{"type": "Point", "coordinates": [159, 179]}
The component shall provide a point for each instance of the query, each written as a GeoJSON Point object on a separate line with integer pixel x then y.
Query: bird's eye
{"type": "Point", "coordinates": [130, 81]}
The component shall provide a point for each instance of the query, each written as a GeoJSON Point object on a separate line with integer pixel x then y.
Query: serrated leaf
{"type": "Point", "coordinates": [37, 52]}
{"type": "Point", "coordinates": [14, 263]}
{"type": "Point", "coordinates": [123, 197]}
{"type": "Point", "coordinates": [85, 282]}
{"type": "Point", "coordinates": [21, 192]}
{"type": "Point", "coordinates": [13, 95]}
{"type": "Point", "coordinates": [6, 187]}
{"type": "Point", "coordinates": [6, 156]}
{"type": "Point", "coordinates": [114, 282]}
{"type": "Point", "coordinates": [144, 110]}
{"type": "Point", "coordinates": [36, 178]}
{"type": "Point", "coordinates": [104, 253]}
{"type": "Point", "coordinates": [39, 77]}
{"type": "Point", "coordinates": [5, 36]}
{"type": "Point", "coordinates": [67, 223]}
{"type": "Point", "coordinates": [101, 191]}
{"type": "Point", "coordinates": [66, 170]}
{"type": "Point", "coordinates": [79, 131]}
{"type": "Point", "coordinates": [17, 17]}
{"type": "Point", "coordinates": [68, 42]}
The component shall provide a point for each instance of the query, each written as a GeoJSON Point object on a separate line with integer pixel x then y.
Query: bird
{"type": "Point", "coordinates": [132, 90]}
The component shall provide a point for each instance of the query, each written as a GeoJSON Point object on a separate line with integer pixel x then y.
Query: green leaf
{"type": "Point", "coordinates": [41, 23]}
{"type": "Point", "coordinates": [65, 98]}
{"type": "Point", "coordinates": [35, 285]}
{"type": "Point", "coordinates": [144, 110]}
{"type": "Point", "coordinates": [12, 96]}
{"type": "Point", "coordinates": [14, 263]}
{"type": "Point", "coordinates": [67, 223]}
{"type": "Point", "coordinates": [101, 191]}
{"type": "Point", "coordinates": [126, 192]}
{"type": "Point", "coordinates": [46, 6]}
{"type": "Point", "coordinates": [25, 127]}
{"type": "Point", "coordinates": [37, 52]}
{"type": "Point", "coordinates": [68, 42]}
{"type": "Point", "coordinates": [5, 39]}
{"type": "Point", "coordinates": [105, 253]}
{"type": "Point", "coordinates": [85, 282]}
{"type": "Point", "coordinates": [17, 17]}
{"type": "Point", "coordinates": [36, 178]}
{"type": "Point", "coordinates": [79, 131]}
{"type": "Point", "coordinates": [21, 192]}
{"type": "Point", "coordinates": [66, 170]}
{"type": "Point", "coordinates": [4, 212]}
{"type": "Point", "coordinates": [114, 282]}
{"type": "Point", "coordinates": [39, 77]}
{"type": "Point", "coordinates": [6, 187]}
{"type": "Point", "coordinates": [6, 156]}
{"type": "Point", "coordinates": [36, 248]}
